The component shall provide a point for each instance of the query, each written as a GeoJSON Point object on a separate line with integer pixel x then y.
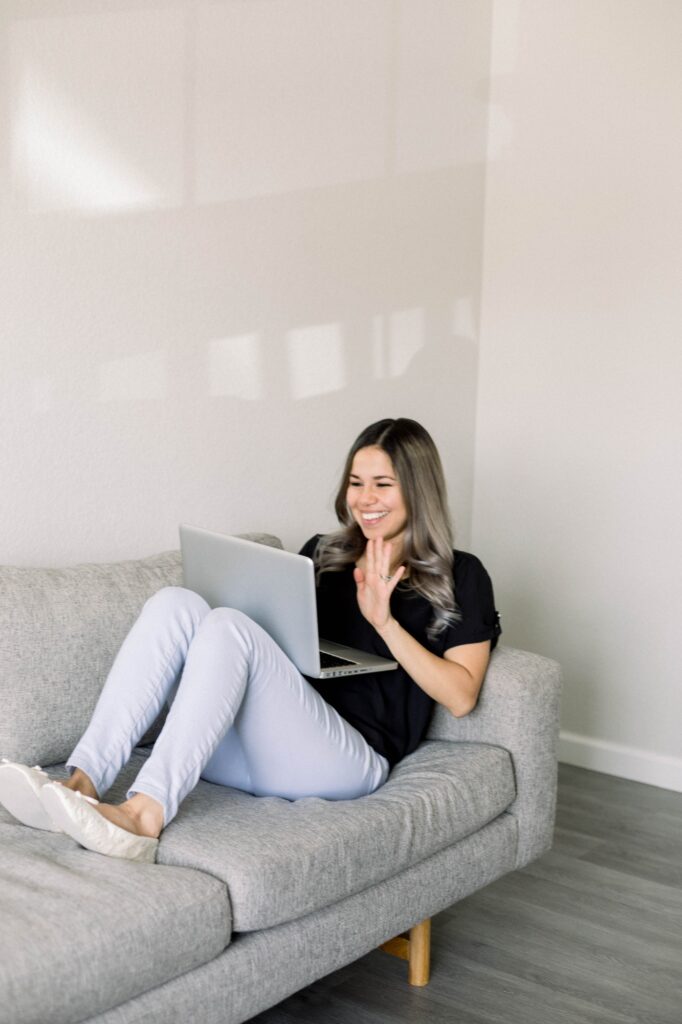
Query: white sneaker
{"type": "Point", "coordinates": [20, 788]}
{"type": "Point", "coordinates": [76, 815]}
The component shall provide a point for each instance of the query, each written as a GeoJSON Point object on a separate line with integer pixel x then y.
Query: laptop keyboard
{"type": "Point", "coordinates": [331, 661]}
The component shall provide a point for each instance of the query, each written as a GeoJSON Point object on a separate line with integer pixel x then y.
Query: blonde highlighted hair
{"type": "Point", "coordinates": [427, 545]}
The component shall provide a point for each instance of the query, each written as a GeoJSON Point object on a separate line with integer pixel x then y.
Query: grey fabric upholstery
{"type": "Point", "coordinates": [60, 630]}
{"type": "Point", "coordinates": [519, 710]}
{"type": "Point", "coordinates": [282, 860]}
{"type": "Point", "coordinates": [68, 951]}
{"type": "Point", "coordinates": [261, 968]}
{"type": "Point", "coordinates": [80, 933]}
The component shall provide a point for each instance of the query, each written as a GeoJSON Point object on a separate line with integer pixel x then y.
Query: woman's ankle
{"type": "Point", "coordinates": [81, 783]}
{"type": "Point", "coordinates": [147, 814]}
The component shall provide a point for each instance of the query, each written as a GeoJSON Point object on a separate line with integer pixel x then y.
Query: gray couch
{"type": "Point", "coordinates": [251, 898]}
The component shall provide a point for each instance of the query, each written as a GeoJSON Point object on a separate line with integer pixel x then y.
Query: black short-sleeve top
{"type": "Point", "coordinates": [388, 708]}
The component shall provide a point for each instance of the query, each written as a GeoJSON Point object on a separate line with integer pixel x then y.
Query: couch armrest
{"type": "Point", "coordinates": [518, 709]}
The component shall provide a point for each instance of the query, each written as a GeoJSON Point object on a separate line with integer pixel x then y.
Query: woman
{"type": "Point", "coordinates": [242, 715]}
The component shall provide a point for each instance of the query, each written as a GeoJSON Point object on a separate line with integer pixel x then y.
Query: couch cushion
{"type": "Point", "coordinates": [80, 933]}
{"type": "Point", "coordinates": [284, 859]}
{"type": "Point", "coordinates": [60, 630]}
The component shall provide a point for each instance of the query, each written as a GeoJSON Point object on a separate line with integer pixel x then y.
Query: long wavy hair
{"type": "Point", "coordinates": [427, 544]}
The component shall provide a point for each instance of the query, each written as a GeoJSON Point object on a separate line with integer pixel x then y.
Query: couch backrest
{"type": "Point", "coordinates": [60, 630]}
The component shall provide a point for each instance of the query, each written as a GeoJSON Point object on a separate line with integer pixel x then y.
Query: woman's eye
{"type": "Point", "coordinates": [358, 483]}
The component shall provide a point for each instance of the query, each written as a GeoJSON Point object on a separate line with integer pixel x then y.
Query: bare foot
{"type": "Point", "coordinates": [80, 783]}
{"type": "Point", "coordinates": [140, 815]}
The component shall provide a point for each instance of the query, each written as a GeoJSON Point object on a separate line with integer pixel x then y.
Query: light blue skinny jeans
{"type": "Point", "coordinates": [240, 713]}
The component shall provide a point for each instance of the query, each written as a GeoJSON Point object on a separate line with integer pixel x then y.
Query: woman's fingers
{"type": "Point", "coordinates": [378, 559]}
{"type": "Point", "coordinates": [374, 588]}
{"type": "Point", "coordinates": [386, 559]}
{"type": "Point", "coordinates": [378, 556]}
{"type": "Point", "coordinates": [397, 576]}
{"type": "Point", "coordinates": [369, 557]}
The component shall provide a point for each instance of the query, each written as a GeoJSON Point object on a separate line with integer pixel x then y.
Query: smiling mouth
{"type": "Point", "coordinates": [372, 517]}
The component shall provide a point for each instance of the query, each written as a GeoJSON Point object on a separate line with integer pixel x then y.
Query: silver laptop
{"type": "Point", "coordinates": [277, 590]}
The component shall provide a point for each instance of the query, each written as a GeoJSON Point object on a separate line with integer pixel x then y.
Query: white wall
{"type": "Point", "coordinates": [231, 235]}
{"type": "Point", "coordinates": [578, 491]}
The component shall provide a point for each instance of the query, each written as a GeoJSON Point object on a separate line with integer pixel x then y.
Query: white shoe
{"type": "Point", "coordinates": [20, 788]}
{"type": "Point", "coordinates": [76, 815]}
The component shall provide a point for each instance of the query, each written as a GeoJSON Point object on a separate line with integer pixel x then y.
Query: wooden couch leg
{"type": "Point", "coordinates": [420, 953]}
{"type": "Point", "coordinates": [415, 947]}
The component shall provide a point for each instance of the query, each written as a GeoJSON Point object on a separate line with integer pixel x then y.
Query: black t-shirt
{"type": "Point", "coordinates": [388, 708]}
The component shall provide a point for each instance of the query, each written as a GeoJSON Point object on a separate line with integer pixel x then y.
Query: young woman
{"type": "Point", "coordinates": [241, 714]}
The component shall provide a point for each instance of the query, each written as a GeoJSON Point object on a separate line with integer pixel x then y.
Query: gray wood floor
{"type": "Point", "coordinates": [589, 934]}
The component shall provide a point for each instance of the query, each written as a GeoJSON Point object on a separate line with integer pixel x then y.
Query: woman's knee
{"type": "Point", "coordinates": [177, 601]}
{"type": "Point", "coordinates": [229, 625]}
{"type": "Point", "coordinates": [228, 619]}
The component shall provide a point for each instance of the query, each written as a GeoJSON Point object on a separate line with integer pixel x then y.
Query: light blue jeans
{"type": "Point", "coordinates": [240, 713]}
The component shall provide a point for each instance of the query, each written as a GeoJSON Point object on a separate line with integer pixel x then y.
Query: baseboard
{"type": "Point", "coordinates": [615, 759]}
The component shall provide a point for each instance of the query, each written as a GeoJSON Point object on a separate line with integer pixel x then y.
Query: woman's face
{"type": "Point", "coordinates": [374, 496]}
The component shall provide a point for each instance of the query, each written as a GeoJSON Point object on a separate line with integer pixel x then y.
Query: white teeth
{"type": "Point", "coordinates": [373, 515]}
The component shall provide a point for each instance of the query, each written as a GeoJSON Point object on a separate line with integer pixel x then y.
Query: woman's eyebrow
{"type": "Point", "coordinates": [380, 476]}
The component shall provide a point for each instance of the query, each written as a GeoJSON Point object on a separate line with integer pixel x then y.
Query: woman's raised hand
{"type": "Point", "coordinates": [375, 583]}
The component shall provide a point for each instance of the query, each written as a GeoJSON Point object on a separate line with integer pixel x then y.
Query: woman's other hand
{"type": "Point", "coordinates": [375, 583]}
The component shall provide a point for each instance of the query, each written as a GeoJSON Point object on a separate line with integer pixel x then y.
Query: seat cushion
{"type": "Point", "coordinates": [81, 933]}
{"type": "Point", "coordinates": [282, 860]}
